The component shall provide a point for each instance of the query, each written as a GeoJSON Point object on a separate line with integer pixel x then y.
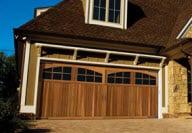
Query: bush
{"type": "Point", "coordinates": [9, 120]}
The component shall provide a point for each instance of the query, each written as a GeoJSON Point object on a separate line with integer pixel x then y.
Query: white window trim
{"type": "Point", "coordinates": [123, 16]}
{"type": "Point", "coordinates": [185, 29]}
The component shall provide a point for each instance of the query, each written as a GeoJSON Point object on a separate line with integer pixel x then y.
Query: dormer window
{"type": "Point", "coordinates": [107, 13]}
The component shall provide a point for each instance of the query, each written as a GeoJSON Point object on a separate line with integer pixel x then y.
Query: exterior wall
{"type": "Point", "coordinates": [178, 91]}
{"type": "Point", "coordinates": [31, 75]}
{"type": "Point", "coordinates": [84, 5]}
{"type": "Point", "coordinates": [188, 34]}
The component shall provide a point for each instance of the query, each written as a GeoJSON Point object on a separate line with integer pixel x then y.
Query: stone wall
{"type": "Point", "coordinates": [188, 34]}
{"type": "Point", "coordinates": [178, 91]}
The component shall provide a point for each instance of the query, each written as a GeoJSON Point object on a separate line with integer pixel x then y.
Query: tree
{"type": "Point", "coordinates": [8, 76]}
{"type": "Point", "coordinates": [9, 120]}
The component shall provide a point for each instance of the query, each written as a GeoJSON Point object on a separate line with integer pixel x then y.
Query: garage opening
{"type": "Point", "coordinates": [83, 91]}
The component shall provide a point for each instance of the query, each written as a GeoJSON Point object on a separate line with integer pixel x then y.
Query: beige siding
{"type": "Point", "coordinates": [84, 5]}
{"type": "Point", "coordinates": [31, 75]}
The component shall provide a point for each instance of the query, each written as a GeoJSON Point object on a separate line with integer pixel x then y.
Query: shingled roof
{"type": "Point", "coordinates": [163, 21]}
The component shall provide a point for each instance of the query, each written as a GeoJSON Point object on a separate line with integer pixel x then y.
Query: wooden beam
{"type": "Point", "coordinates": [75, 54]}
{"type": "Point", "coordinates": [136, 60]}
{"type": "Point", "coordinates": [107, 57]}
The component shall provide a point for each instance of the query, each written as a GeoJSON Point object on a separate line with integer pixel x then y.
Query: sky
{"type": "Point", "coordinates": [14, 13]}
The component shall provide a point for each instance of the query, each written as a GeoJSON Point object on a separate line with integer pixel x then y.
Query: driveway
{"type": "Point", "coordinates": [179, 125]}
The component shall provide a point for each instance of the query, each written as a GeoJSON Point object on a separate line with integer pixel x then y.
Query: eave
{"type": "Point", "coordinates": [181, 50]}
{"type": "Point", "coordinates": [55, 38]}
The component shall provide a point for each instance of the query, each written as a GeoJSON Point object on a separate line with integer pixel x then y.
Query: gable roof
{"type": "Point", "coordinates": [163, 21]}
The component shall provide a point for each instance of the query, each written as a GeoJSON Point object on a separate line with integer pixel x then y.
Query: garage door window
{"type": "Point", "coordinates": [57, 73]}
{"type": "Point", "coordinates": [86, 75]}
{"type": "Point", "coordinates": [119, 77]}
{"type": "Point", "coordinates": [144, 79]}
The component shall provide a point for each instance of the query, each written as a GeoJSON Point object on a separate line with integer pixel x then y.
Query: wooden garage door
{"type": "Point", "coordinates": [77, 91]}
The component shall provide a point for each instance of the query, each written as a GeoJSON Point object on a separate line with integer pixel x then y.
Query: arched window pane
{"type": "Point", "coordinates": [144, 79]}
{"type": "Point", "coordinates": [119, 78]}
{"type": "Point", "coordinates": [86, 75]}
{"type": "Point", "coordinates": [57, 73]}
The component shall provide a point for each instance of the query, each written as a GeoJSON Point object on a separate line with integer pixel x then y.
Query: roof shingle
{"type": "Point", "coordinates": [163, 21]}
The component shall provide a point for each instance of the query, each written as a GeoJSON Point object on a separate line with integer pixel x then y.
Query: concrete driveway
{"type": "Point", "coordinates": [179, 125]}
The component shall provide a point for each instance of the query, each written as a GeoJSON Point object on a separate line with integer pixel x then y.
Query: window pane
{"type": "Point", "coordinates": [111, 75]}
{"type": "Point", "coordinates": [117, 4]}
{"type": "Point", "coordinates": [102, 14]}
{"type": "Point", "coordinates": [57, 69]}
{"type": "Point", "coordinates": [127, 74]}
{"type": "Point", "coordinates": [111, 80]}
{"type": "Point", "coordinates": [119, 74]}
{"type": "Point", "coordinates": [117, 17]}
{"type": "Point", "coordinates": [80, 78]}
{"type": "Point", "coordinates": [145, 76]}
{"type": "Point", "coordinates": [56, 76]}
{"type": "Point", "coordinates": [81, 71]}
{"type": "Point", "coordinates": [98, 79]}
{"type": "Point", "coordinates": [96, 2]}
{"type": "Point", "coordinates": [48, 70]}
{"type": "Point", "coordinates": [138, 75]}
{"type": "Point", "coordinates": [111, 4]}
{"type": "Point", "coordinates": [119, 80]}
{"type": "Point", "coordinates": [46, 75]}
{"type": "Point", "coordinates": [126, 81]}
{"type": "Point", "coordinates": [138, 81]}
{"type": "Point", "coordinates": [111, 15]}
{"type": "Point", "coordinates": [96, 13]}
{"type": "Point", "coordinates": [103, 3]}
{"type": "Point", "coordinates": [151, 77]}
{"type": "Point", "coordinates": [152, 82]}
{"type": "Point", "coordinates": [90, 72]}
{"type": "Point", "coordinates": [99, 10]}
{"type": "Point", "coordinates": [97, 74]}
{"type": "Point", "coordinates": [66, 76]}
{"type": "Point", "coordinates": [66, 69]}
{"type": "Point", "coordinates": [145, 81]}
{"type": "Point", "coordinates": [90, 78]}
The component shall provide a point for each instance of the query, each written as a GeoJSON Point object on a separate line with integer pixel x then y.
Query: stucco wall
{"type": "Point", "coordinates": [178, 91]}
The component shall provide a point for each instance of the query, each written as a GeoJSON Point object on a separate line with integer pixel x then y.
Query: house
{"type": "Point", "coordinates": [86, 59]}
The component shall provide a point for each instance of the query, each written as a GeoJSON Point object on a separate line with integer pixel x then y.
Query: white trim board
{"type": "Point", "coordinates": [99, 50]}
{"type": "Point", "coordinates": [98, 63]}
{"type": "Point", "coordinates": [25, 77]}
{"type": "Point", "coordinates": [185, 28]}
{"type": "Point", "coordinates": [160, 78]}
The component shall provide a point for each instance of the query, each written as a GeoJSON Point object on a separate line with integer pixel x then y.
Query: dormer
{"type": "Point", "coordinates": [112, 13]}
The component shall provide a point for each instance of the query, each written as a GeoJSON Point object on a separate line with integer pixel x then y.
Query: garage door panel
{"type": "Point", "coordinates": [100, 94]}
{"type": "Point", "coordinates": [120, 101]}
{"type": "Point", "coordinates": [154, 100]}
{"type": "Point", "coordinates": [119, 95]}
